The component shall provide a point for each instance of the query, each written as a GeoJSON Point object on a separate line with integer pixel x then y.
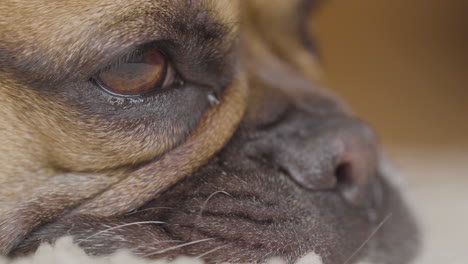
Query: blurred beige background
{"type": "Point", "coordinates": [403, 66]}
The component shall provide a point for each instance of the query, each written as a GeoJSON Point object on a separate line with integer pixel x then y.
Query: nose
{"type": "Point", "coordinates": [339, 153]}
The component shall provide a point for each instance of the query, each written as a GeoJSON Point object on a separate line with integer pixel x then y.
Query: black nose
{"type": "Point", "coordinates": [338, 153]}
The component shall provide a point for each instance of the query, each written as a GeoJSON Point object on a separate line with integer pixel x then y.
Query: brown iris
{"type": "Point", "coordinates": [143, 73]}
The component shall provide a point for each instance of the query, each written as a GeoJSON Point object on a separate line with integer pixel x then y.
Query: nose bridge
{"type": "Point", "coordinates": [275, 91]}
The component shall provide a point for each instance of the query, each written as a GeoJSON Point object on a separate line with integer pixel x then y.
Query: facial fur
{"type": "Point", "coordinates": [245, 158]}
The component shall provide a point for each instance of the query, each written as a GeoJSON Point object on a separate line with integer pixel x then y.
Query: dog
{"type": "Point", "coordinates": [186, 127]}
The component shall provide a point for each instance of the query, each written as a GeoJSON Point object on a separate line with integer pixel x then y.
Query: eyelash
{"type": "Point", "coordinates": [123, 59]}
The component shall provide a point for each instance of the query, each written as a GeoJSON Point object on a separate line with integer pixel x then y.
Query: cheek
{"type": "Point", "coordinates": [101, 133]}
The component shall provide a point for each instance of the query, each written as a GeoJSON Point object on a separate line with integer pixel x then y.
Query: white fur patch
{"type": "Point", "coordinates": [65, 252]}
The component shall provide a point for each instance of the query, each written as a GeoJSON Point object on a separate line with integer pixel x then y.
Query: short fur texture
{"type": "Point", "coordinates": [245, 159]}
{"type": "Point", "coordinates": [65, 252]}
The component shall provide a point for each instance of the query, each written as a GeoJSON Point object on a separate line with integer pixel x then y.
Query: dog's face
{"type": "Point", "coordinates": [185, 127]}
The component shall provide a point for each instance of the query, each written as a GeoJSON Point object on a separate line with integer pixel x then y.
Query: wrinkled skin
{"type": "Point", "coordinates": [298, 174]}
{"type": "Point", "coordinates": [244, 206]}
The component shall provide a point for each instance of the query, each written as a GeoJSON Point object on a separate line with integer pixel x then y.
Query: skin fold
{"type": "Point", "coordinates": [244, 159]}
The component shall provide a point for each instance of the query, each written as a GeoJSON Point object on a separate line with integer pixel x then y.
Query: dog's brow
{"type": "Point", "coordinates": [65, 41]}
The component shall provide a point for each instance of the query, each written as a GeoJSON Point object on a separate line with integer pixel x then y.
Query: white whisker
{"type": "Point", "coordinates": [211, 251]}
{"type": "Point", "coordinates": [177, 247]}
{"type": "Point", "coordinates": [148, 209]}
{"type": "Point", "coordinates": [369, 238]}
{"type": "Point", "coordinates": [208, 199]}
{"type": "Point", "coordinates": [120, 226]}
{"type": "Point", "coordinates": [137, 250]}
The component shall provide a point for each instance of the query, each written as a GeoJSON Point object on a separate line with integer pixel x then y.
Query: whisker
{"type": "Point", "coordinates": [120, 226]}
{"type": "Point", "coordinates": [211, 251]}
{"type": "Point", "coordinates": [136, 249]}
{"type": "Point", "coordinates": [208, 199]}
{"type": "Point", "coordinates": [148, 209]}
{"type": "Point", "coordinates": [177, 247]}
{"type": "Point", "coordinates": [237, 177]}
{"type": "Point", "coordinates": [385, 220]}
{"type": "Point", "coordinates": [164, 241]}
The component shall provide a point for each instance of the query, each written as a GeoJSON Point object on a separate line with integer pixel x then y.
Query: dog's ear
{"type": "Point", "coordinates": [285, 27]}
{"type": "Point", "coordinates": [279, 50]}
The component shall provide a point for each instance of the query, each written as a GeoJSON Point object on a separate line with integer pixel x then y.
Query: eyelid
{"type": "Point", "coordinates": [126, 58]}
{"type": "Point", "coordinates": [172, 78]}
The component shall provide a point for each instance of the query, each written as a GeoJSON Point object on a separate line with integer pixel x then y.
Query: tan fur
{"type": "Point", "coordinates": [245, 116]}
{"type": "Point", "coordinates": [53, 156]}
{"type": "Point", "coordinates": [68, 139]}
{"type": "Point", "coordinates": [277, 23]}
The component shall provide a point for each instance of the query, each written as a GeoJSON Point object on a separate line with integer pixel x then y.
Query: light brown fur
{"type": "Point", "coordinates": [70, 150]}
{"type": "Point", "coordinates": [42, 138]}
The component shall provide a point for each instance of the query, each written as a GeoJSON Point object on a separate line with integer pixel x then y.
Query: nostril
{"type": "Point", "coordinates": [347, 184]}
{"type": "Point", "coordinates": [343, 174]}
{"type": "Point", "coordinates": [339, 157]}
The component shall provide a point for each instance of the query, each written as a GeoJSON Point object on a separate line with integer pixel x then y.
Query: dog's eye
{"type": "Point", "coordinates": [144, 71]}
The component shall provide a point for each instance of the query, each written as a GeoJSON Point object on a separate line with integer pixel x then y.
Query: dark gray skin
{"type": "Point", "coordinates": [279, 188]}
{"type": "Point", "coordinates": [301, 174]}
